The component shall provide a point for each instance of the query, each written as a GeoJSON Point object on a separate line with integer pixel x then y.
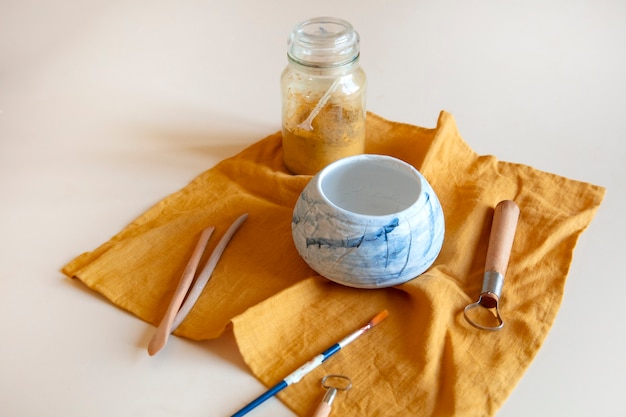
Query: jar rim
{"type": "Point", "coordinates": [323, 42]}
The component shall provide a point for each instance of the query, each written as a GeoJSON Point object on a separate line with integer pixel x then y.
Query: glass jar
{"type": "Point", "coordinates": [323, 95]}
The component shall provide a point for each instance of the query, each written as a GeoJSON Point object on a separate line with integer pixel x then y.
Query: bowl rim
{"type": "Point", "coordinates": [319, 178]}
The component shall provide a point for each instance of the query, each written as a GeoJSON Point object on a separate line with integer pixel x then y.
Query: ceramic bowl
{"type": "Point", "coordinates": [368, 221]}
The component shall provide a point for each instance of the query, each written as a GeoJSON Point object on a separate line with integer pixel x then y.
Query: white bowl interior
{"type": "Point", "coordinates": [371, 185]}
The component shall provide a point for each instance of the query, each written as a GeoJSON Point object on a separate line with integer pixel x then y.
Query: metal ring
{"type": "Point", "coordinates": [477, 304]}
{"type": "Point", "coordinates": [493, 282]}
{"type": "Point", "coordinates": [345, 386]}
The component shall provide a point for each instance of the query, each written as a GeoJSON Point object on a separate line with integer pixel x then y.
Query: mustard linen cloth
{"type": "Point", "coordinates": [424, 359]}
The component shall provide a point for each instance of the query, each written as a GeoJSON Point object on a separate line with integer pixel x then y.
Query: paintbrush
{"type": "Point", "coordinates": [299, 373]}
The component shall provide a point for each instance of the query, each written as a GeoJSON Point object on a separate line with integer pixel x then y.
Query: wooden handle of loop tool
{"type": "Point", "coordinates": [501, 238]}
{"type": "Point", "coordinates": [323, 410]}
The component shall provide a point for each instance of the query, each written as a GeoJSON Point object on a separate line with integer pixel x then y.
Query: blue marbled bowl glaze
{"type": "Point", "coordinates": [368, 221]}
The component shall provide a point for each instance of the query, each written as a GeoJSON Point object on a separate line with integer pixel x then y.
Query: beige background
{"type": "Point", "coordinates": [108, 106]}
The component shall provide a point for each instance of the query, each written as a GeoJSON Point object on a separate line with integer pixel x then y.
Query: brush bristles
{"type": "Point", "coordinates": [378, 318]}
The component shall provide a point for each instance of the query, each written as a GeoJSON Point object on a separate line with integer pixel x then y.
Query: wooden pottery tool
{"type": "Point", "coordinates": [177, 310]}
{"type": "Point", "coordinates": [484, 314]}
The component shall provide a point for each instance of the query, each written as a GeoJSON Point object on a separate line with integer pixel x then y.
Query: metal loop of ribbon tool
{"type": "Point", "coordinates": [489, 298]}
{"type": "Point", "coordinates": [332, 383]}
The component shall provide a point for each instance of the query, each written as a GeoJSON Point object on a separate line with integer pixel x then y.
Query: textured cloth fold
{"type": "Point", "coordinates": [424, 359]}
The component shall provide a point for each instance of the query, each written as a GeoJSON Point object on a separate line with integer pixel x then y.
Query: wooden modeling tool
{"type": "Point", "coordinates": [177, 310]}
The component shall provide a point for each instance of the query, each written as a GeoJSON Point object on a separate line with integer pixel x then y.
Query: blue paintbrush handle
{"type": "Point", "coordinates": [261, 398]}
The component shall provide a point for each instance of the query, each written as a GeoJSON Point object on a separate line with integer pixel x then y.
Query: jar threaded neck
{"type": "Point", "coordinates": [323, 42]}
